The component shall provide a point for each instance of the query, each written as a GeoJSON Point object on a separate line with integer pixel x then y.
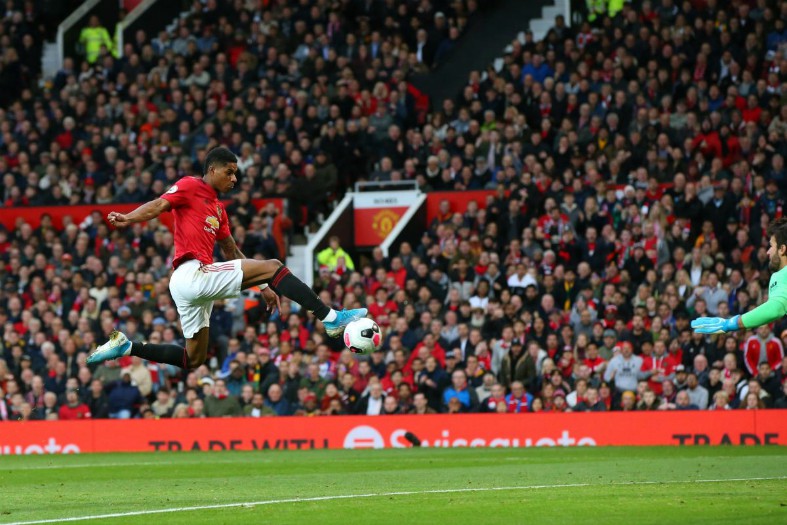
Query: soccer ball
{"type": "Point", "coordinates": [363, 336]}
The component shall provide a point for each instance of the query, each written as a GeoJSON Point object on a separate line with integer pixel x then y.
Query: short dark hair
{"type": "Point", "coordinates": [218, 157]}
{"type": "Point", "coordinates": [778, 229]}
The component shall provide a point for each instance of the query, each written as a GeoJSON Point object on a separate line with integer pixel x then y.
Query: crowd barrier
{"type": "Point", "coordinates": [756, 427]}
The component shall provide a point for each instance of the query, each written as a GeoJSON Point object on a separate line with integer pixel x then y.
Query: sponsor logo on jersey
{"type": "Point", "coordinates": [212, 224]}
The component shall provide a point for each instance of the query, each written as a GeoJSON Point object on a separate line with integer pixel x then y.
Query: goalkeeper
{"type": "Point", "coordinates": [775, 307]}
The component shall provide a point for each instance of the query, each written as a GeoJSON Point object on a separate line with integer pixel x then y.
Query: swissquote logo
{"type": "Point", "coordinates": [365, 436]}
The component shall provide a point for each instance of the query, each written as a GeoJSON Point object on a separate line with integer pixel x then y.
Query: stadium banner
{"type": "Point", "coordinates": [690, 428]}
{"type": "Point", "coordinates": [376, 214]}
{"type": "Point", "coordinates": [457, 199]}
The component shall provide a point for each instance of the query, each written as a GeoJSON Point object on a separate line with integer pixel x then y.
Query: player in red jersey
{"type": "Point", "coordinates": [201, 221]}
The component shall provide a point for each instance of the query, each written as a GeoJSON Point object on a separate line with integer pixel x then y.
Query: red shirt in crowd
{"type": "Point", "coordinates": [81, 411]}
{"type": "Point", "coordinates": [663, 363]}
{"type": "Point", "coordinates": [381, 312]}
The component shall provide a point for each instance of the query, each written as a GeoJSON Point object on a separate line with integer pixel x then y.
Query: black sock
{"type": "Point", "coordinates": [162, 353]}
{"type": "Point", "coordinates": [286, 284]}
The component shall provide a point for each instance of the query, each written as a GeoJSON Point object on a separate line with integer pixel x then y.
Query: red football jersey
{"type": "Point", "coordinates": [200, 220]}
{"type": "Point", "coordinates": [67, 413]}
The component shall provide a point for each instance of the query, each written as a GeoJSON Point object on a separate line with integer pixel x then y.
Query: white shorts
{"type": "Point", "coordinates": [194, 287]}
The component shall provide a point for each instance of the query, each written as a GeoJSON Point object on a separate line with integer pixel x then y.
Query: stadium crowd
{"type": "Point", "coordinates": [264, 78]}
{"type": "Point", "coordinates": [636, 162]}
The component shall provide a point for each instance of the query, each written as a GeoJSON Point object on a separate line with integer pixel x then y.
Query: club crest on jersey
{"type": "Point", "coordinates": [212, 224]}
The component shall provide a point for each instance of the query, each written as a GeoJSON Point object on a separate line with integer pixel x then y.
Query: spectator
{"type": "Point", "coordinates": [682, 402]}
{"type": "Point", "coordinates": [124, 397]}
{"type": "Point", "coordinates": [420, 405]}
{"type": "Point", "coordinates": [221, 403]}
{"type": "Point", "coordinates": [258, 408]}
{"type": "Point", "coordinates": [140, 376]}
{"type": "Point", "coordinates": [628, 401]}
{"type": "Point", "coordinates": [97, 401]}
{"type": "Point", "coordinates": [624, 369]}
{"type": "Point", "coordinates": [781, 402]}
{"type": "Point", "coordinates": [697, 394]}
{"type": "Point", "coordinates": [277, 402]}
{"type": "Point", "coordinates": [517, 366]}
{"type": "Point", "coordinates": [74, 408]}
{"type": "Point", "coordinates": [164, 405]}
{"type": "Point", "coordinates": [518, 401]}
{"type": "Point", "coordinates": [592, 402]}
{"type": "Point", "coordinates": [461, 390]}
{"type": "Point", "coordinates": [371, 404]}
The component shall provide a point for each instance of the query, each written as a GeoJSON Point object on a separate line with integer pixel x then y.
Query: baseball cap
{"type": "Point", "coordinates": [124, 310]}
{"type": "Point", "coordinates": [159, 321]}
{"type": "Point", "coordinates": [311, 396]}
{"type": "Point", "coordinates": [610, 333]}
{"type": "Point", "coordinates": [680, 368]}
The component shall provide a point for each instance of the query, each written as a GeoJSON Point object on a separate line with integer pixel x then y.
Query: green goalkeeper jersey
{"type": "Point", "coordinates": [775, 307]}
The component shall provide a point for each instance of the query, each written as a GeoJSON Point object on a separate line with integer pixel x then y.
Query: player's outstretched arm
{"type": "Point", "coordinates": [149, 210]}
{"type": "Point", "coordinates": [772, 310]}
{"type": "Point", "coordinates": [716, 325]}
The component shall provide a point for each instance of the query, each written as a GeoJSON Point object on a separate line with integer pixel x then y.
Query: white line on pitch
{"type": "Point", "coordinates": [119, 464]}
{"type": "Point", "coordinates": [377, 495]}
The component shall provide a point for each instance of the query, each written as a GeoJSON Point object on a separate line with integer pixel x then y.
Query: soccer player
{"type": "Point", "coordinates": [200, 221]}
{"type": "Point", "coordinates": [775, 307]}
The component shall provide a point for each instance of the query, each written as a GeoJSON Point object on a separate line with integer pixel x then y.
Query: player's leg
{"type": "Point", "coordinates": [279, 277]}
{"type": "Point", "coordinates": [194, 321]}
{"type": "Point", "coordinates": [187, 285]}
{"type": "Point", "coordinates": [192, 356]}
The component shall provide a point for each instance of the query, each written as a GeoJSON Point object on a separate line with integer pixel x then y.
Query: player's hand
{"type": "Point", "coordinates": [271, 299]}
{"type": "Point", "coordinates": [118, 220]}
{"type": "Point", "coordinates": [715, 325]}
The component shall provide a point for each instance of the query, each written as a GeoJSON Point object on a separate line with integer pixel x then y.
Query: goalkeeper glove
{"type": "Point", "coordinates": [715, 325]}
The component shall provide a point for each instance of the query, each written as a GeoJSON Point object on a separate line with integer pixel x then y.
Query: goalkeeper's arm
{"type": "Point", "coordinates": [771, 310]}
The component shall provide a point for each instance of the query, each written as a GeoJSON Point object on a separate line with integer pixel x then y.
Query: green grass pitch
{"type": "Point", "coordinates": [474, 486]}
